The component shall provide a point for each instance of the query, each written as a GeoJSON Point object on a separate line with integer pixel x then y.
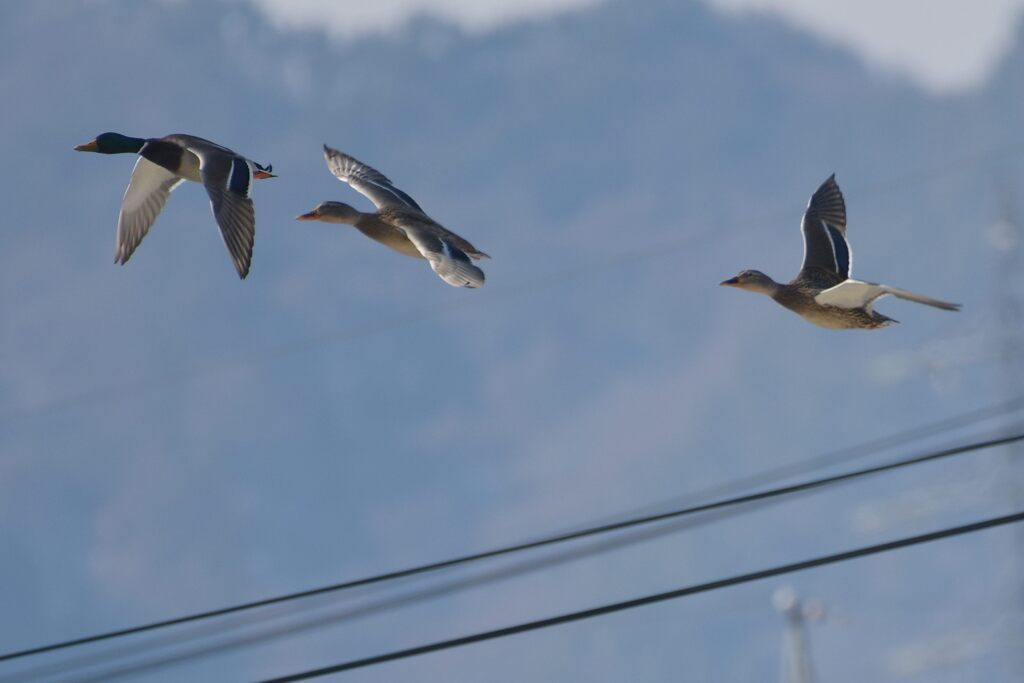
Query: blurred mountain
{"type": "Point", "coordinates": [173, 439]}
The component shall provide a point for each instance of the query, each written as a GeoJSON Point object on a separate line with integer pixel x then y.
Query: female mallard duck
{"type": "Point", "coordinates": [163, 164]}
{"type": "Point", "coordinates": [399, 222]}
{"type": "Point", "coordinates": [822, 292]}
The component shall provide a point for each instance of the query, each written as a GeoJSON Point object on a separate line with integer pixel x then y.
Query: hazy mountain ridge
{"type": "Point", "coordinates": [554, 145]}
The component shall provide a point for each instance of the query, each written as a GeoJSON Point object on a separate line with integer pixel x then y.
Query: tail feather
{"type": "Point", "coordinates": [922, 299]}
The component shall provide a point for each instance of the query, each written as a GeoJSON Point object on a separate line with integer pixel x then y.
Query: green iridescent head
{"type": "Point", "coordinates": [112, 143]}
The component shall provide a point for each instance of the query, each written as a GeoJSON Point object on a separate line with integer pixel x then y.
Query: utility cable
{"type": "Point", "coordinates": [655, 598]}
{"type": "Point", "coordinates": [551, 540]}
{"type": "Point", "coordinates": [778, 474]}
{"type": "Point", "coordinates": [77, 666]}
{"type": "Point", "coordinates": [75, 669]}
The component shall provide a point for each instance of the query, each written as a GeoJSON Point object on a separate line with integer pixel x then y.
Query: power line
{"type": "Point", "coordinates": [390, 603]}
{"type": "Point", "coordinates": [76, 666]}
{"type": "Point", "coordinates": [652, 599]}
{"type": "Point", "coordinates": [773, 475]}
{"type": "Point", "coordinates": [550, 540]}
{"type": "Point", "coordinates": [836, 457]}
{"type": "Point", "coordinates": [648, 251]}
{"type": "Point", "coordinates": [626, 539]}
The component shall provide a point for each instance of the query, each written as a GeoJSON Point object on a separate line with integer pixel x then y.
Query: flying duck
{"type": "Point", "coordinates": [163, 164]}
{"type": "Point", "coordinates": [399, 222]}
{"type": "Point", "coordinates": [823, 292]}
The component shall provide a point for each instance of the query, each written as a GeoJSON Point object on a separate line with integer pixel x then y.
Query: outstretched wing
{"type": "Point", "coordinates": [369, 182]}
{"type": "Point", "coordinates": [449, 262]}
{"type": "Point", "coordinates": [143, 201]}
{"type": "Point", "coordinates": [824, 229]}
{"type": "Point", "coordinates": [857, 294]}
{"type": "Point", "coordinates": [228, 181]}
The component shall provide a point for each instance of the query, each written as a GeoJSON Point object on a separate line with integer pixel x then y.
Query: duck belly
{"type": "Point", "coordinates": [830, 317]}
{"type": "Point", "coordinates": [388, 235]}
{"type": "Point", "coordinates": [835, 318]}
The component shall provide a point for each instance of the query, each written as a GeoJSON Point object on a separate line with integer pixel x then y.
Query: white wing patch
{"type": "Point", "coordinates": [857, 294]}
{"type": "Point", "coordinates": [147, 192]}
{"type": "Point", "coordinates": [851, 294]}
{"type": "Point", "coordinates": [147, 179]}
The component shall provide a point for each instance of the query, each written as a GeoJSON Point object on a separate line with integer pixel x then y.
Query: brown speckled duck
{"type": "Point", "coordinates": [399, 222]}
{"type": "Point", "coordinates": [823, 292]}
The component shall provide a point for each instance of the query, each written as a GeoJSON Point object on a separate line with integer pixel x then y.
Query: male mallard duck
{"type": "Point", "coordinates": [399, 222]}
{"type": "Point", "coordinates": [822, 292]}
{"type": "Point", "coordinates": [163, 164]}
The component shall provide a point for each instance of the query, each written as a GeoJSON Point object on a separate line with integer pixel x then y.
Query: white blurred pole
{"type": "Point", "coordinates": [796, 657]}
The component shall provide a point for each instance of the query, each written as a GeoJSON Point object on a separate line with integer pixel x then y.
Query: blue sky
{"type": "Point", "coordinates": [174, 439]}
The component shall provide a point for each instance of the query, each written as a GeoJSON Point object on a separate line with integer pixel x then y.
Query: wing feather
{"type": "Point", "coordinates": [368, 181]}
{"type": "Point", "coordinates": [228, 181]}
{"type": "Point", "coordinates": [824, 230]}
{"type": "Point", "coordinates": [449, 262]}
{"type": "Point", "coordinates": [147, 193]}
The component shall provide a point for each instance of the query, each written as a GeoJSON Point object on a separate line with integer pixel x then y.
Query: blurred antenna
{"type": "Point", "coordinates": [796, 653]}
